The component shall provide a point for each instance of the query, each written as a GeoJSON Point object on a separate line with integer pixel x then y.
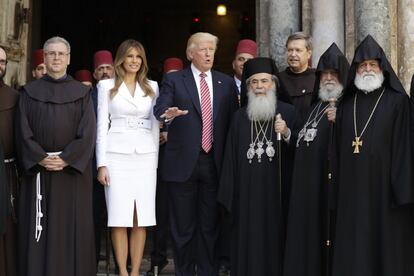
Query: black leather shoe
{"type": "Point", "coordinates": [161, 266]}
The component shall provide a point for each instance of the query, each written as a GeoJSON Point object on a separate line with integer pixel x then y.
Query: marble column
{"type": "Point", "coordinates": [327, 26]}
{"type": "Point", "coordinates": [306, 19]}
{"type": "Point", "coordinates": [284, 20]}
{"type": "Point", "coordinates": [373, 17]}
{"type": "Point", "coordinates": [349, 29]}
{"type": "Point", "coordinates": [262, 27]}
{"type": "Point", "coordinates": [406, 42]}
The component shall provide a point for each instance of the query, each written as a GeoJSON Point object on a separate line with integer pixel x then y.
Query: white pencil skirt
{"type": "Point", "coordinates": [133, 179]}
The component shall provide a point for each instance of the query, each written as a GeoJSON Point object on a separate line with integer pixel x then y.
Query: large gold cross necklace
{"type": "Point", "coordinates": [358, 142]}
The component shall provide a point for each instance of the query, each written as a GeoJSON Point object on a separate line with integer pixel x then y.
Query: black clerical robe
{"type": "Point", "coordinates": [375, 218]}
{"type": "Point", "coordinates": [8, 240]}
{"type": "Point", "coordinates": [4, 199]}
{"type": "Point", "coordinates": [250, 193]}
{"type": "Point", "coordinates": [307, 220]}
{"type": "Point", "coordinates": [56, 116]}
{"type": "Point", "coordinates": [297, 89]}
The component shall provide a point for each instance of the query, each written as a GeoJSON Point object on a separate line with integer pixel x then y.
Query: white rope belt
{"type": "Point", "coordinates": [10, 160]}
{"type": "Point", "coordinates": [39, 214]}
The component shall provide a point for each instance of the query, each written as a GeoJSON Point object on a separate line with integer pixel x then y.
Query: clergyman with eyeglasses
{"type": "Point", "coordinates": [56, 132]}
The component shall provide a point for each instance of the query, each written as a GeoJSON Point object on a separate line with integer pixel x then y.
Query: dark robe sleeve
{"type": "Point", "coordinates": [292, 118]}
{"type": "Point", "coordinates": [78, 153]}
{"type": "Point", "coordinates": [166, 97]}
{"type": "Point", "coordinates": [225, 195]}
{"type": "Point", "coordinates": [336, 144]}
{"type": "Point", "coordinates": [30, 153]}
{"type": "Point", "coordinates": [401, 161]}
{"type": "Point", "coordinates": [4, 200]}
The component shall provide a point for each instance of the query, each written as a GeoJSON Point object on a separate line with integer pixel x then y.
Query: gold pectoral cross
{"type": "Point", "coordinates": [357, 143]}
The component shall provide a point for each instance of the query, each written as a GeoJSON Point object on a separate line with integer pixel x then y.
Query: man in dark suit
{"type": "Point", "coordinates": [104, 69]}
{"type": "Point", "coordinates": [198, 104]}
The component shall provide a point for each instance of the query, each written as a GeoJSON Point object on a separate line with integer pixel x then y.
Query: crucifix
{"type": "Point", "coordinates": [356, 144]}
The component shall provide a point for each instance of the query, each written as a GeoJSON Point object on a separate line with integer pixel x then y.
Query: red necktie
{"type": "Point", "coordinates": [206, 115]}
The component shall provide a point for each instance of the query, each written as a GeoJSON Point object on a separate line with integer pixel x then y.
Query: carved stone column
{"type": "Point", "coordinates": [373, 17]}
{"type": "Point", "coordinates": [327, 26]}
{"type": "Point", "coordinates": [284, 20]}
{"type": "Point", "coordinates": [406, 42]}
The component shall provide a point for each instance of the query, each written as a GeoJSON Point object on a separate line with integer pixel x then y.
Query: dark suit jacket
{"type": "Point", "coordinates": [184, 133]}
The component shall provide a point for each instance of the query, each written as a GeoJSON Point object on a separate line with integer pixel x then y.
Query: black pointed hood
{"type": "Point", "coordinates": [331, 59]}
{"type": "Point", "coordinates": [254, 66]}
{"type": "Point", "coordinates": [370, 49]}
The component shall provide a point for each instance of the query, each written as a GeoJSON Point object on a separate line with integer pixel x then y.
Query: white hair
{"type": "Point", "coordinates": [329, 91]}
{"type": "Point", "coordinates": [368, 81]}
{"type": "Point", "coordinates": [262, 107]}
{"type": "Point", "coordinates": [200, 37]}
{"type": "Point", "coordinates": [54, 40]}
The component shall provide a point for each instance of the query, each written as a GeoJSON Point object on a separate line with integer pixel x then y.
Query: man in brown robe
{"type": "Point", "coordinates": [298, 79]}
{"type": "Point", "coordinates": [56, 132]}
{"type": "Point", "coordinates": [8, 103]}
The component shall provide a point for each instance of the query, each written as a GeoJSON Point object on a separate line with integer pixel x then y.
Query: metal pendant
{"type": "Point", "coordinates": [310, 135]}
{"type": "Point", "coordinates": [259, 151]}
{"type": "Point", "coordinates": [300, 136]}
{"type": "Point", "coordinates": [270, 150]}
{"type": "Point", "coordinates": [251, 152]}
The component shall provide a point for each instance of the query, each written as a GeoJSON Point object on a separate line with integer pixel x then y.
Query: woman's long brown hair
{"type": "Point", "coordinates": [141, 76]}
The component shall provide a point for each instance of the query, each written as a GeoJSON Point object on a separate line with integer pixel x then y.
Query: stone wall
{"type": "Point", "coordinates": [345, 22]}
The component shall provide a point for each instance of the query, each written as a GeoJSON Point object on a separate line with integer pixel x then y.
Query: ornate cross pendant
{"type": "Point", "coordinates": [356, 144]}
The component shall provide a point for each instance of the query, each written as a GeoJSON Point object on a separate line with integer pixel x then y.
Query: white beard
{"type": "Point", "coordinates": [262, 107]}
{"type": "Point", "coordinates": [327, 92]}
{"type": "Point", "coordinates": [368, 81]}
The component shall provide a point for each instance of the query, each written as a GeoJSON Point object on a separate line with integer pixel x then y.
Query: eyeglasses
{"type": "Point", "coordinates": [3, 62]}
{"type": "Point", "coordinates": [56, 54]}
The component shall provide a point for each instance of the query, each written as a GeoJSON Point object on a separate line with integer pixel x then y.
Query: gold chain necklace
{"type": "Point", "coordinates": [358, 142]}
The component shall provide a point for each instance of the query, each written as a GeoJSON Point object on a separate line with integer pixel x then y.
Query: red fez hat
{"type": "Point", "coordinates": [102, 57]}
{"type": "Point", "coordinates": [38, 58]}
{"type": "Point", "coordinates": [172, 63]}
{"type": "Point", "coordinates": [247, 46]}
{"type": "Point", "coordinates": [83, 75]}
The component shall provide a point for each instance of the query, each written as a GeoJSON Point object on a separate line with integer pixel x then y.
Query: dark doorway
{"type": "Point", "coordinates": [162, 26]}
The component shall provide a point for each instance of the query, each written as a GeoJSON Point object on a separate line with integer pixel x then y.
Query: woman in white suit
{"type": "Point", "coordinates": [127, 152]}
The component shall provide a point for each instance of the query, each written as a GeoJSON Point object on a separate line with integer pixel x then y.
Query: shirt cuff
{"type": "Point", "coordinates": [168, 121]}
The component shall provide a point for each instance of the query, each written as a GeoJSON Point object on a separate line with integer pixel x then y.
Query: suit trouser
{"type": "Point", "coordinates": [160, 231]}
{"type": "Point", "coordinates": [194, 220]}
{"type": "Point", "coordinates": [99, 215]}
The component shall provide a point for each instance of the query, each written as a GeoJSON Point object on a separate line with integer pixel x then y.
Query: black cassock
{"type": "Point", "coordinates": [375, 218]}
{"type": "Point", "coordinates": [297, 89]}
{"type": "Point", "coordinates": [54, 116]}
{"type": "Point", "coordinates": [250, 193]}
{"type": "Point", "coordinates": [306, 233]}
{"type": "Point", "coordinates": [312, 201]}
{"type": "Point", "coordinates": [4, 199]}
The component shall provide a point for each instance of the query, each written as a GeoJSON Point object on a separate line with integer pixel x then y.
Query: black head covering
{"type": "Point", "coordinates": [331, 59]}
{"type": "Point", "coordinates": [255, 66]}
{"type": "Point", "coordinates": [370, 49]}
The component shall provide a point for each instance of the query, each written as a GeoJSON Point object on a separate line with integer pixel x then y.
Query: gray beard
{"type": "Point", "coordinates": [262, 107]}
{"type": "Point", "coordinates": [325, 93]}
{"type": "Point", "coordinates": [368, 83]}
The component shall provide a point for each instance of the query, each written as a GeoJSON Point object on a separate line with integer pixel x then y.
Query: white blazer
{"type": "Point", "coordinates": [121, 139]}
